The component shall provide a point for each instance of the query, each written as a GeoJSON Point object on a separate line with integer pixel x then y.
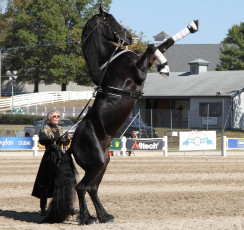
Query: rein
{"type": "Point", "coordinates": [96, 89]}
{"type": "Point", "coordinates": [114, 57]}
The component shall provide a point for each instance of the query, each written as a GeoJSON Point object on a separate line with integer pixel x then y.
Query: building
{"type": "Point", "coordinates": [195, 95]}
{"type": "Point", "coordinates": [189, 98]}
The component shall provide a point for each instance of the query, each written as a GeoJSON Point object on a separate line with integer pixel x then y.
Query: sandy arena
{"type": "Point", "coordinates": [142, 192]}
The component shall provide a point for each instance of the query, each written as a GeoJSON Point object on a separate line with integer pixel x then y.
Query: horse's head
{"type": "Point", "coordinates": [112, 30]}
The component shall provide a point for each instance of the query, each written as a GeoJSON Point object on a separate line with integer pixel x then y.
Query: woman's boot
{"type": "Point", "coordinates": [43, 205]}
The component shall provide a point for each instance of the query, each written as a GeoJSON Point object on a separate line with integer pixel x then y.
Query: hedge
{"type": "Point", "coordinates": [19, 119]}
{"type": "Point", "coordinates": [23, 119]}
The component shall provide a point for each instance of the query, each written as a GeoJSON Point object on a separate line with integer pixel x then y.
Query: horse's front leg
{"type": "Point", "coordinates": [162, 66]}
{"type": "Point", "coordinates": [147, 59]}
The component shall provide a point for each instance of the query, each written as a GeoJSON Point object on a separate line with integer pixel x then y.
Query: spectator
{"type": "Point", "coordinates": [49, 136]}
{"type": "Point", "coordinates": [133, 136]}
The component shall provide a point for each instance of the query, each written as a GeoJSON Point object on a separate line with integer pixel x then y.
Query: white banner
{"type": "Point", "coordinates": [197, 140]}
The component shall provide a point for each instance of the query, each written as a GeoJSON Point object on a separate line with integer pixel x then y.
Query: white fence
{"type": "Point", "coordinates": [43, 110]}
{"type": "Point", "coordinates": [42, 98]}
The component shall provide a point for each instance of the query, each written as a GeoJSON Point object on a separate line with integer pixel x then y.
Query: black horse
{"type": "Point", "coordinates": [120, 82]}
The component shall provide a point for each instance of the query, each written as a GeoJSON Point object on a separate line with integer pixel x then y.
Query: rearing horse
{"type": "Point", "coordinates": [120, 82]}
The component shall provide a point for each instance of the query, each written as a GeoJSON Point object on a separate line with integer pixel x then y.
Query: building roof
{"type": "Point", "coordinates": [161, 36]}
{"type": "Point", "coordinates": [199, 61]}
{"type": "Point", "coordinates": [207, 84]}
{"type": "Point", "coordinates": [179, 55]}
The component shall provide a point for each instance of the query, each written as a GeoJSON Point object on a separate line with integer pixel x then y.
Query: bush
{"type": "Point", "coordinates": [19, 119]}
{"type": "Point", "coordinates": [24, 119]}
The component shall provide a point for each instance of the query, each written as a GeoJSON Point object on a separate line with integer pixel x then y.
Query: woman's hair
{"type": "Point", "coordinates": [50, 113]}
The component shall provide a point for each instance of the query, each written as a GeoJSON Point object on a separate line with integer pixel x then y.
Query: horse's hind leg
{"type": "Point", "coordinates": [81, 188]}
{"type": "Point", "coordinates": [90, 183]}
{"type": "Point", "coordinates": [102, 214]}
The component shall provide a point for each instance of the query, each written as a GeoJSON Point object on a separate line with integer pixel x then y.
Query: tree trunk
{"type": "Point", "coordinates": [63, 87]}
{"type": "Point", "coordinates": [36, 86]}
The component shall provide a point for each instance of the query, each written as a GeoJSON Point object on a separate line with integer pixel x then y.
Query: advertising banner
{"type": "Point", "coordinates": [16, 143]}
{"type": "Point", "coordinates": [144, 144]}
{"type": "Point", "coordinates": [234, 143]}
{"type": "Point", "coordinates": [115, 144]}
{"type": "Point", "coordinates": [197, 140]}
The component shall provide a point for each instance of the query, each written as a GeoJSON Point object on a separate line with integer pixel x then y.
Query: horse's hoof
{"type": "Point", "coordinates": [91, 220]}
{"type": "Point", "coordinates": [88, 221]}
{"type": "Point", "coordinates": [194, 26]}
{"type": "Point", "coordinates": [164, 70]}
{"type": "Point", "coordinates": [110, 221]}
{"type": "Point", "coordinates": [108, 218]}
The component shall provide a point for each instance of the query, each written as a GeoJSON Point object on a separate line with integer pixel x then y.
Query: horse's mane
{"type": "Point", "coordinates": [91, 23]}
{"type": "Point", "coordinates": [89, 40]}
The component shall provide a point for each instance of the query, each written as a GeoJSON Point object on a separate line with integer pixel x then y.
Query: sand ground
{"type": "Point", "coordinates": [142, 192]}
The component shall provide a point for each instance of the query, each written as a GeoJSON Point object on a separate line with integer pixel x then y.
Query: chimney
{"type": "Point", "coordinates": [198, 66]}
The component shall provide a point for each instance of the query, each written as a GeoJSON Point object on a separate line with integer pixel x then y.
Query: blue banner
{"type": "Point", "coordinates": [16, 143]}
{"type": "Point", "coordinates": [235, 143]}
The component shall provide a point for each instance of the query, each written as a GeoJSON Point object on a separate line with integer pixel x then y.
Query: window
{"type": "Point", "coordinates": [210, 109]}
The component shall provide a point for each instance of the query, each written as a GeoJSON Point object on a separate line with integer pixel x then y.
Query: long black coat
{"type": "Point", "coordinates": [44, 183]}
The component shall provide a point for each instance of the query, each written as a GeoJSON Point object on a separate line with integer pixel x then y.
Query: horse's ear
{"type": "Point", "coordinates": [101, 10]}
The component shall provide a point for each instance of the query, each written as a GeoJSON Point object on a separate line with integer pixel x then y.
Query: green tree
{"type": "Point", "coordinates": [232, 54]}
{"type": "Point", "coordinates": [43, 39]}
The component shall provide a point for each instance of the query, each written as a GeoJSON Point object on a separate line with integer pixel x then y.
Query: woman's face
{"type": "Point", "coordinates": [54, 119]}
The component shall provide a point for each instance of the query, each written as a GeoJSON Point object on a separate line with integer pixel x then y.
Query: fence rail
{"type": "Point", "coordinates": [43, 110]}
{"type": "Point", "coordinates": [33, 99]}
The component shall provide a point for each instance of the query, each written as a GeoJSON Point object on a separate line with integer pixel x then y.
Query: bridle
{"type": "Point", "coordinates": [103, 20]}
{"type": "Point", "coordinates": [108, 89]}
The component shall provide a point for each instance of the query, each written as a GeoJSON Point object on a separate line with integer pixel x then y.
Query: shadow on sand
{"type": "Point", "coordinates": [30, 217]}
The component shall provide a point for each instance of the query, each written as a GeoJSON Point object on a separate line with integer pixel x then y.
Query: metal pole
{"type": "Point", "coordinates": [139, 123]}
{"type": "Point", "coordinates": [188, 121]}
{"type": "Point", "coordinates": [165, 148]}
{"type": "Point", "coordinates": [151, 125]}
{"type": "Point", "coordinates": [224, 147]}
{"type": "Point", "coordinates": [207, 116]}
{"type": "Point", "coordinates": [0, 72]}
{"type": "Point", "coordinates": [223, 117]}
{"type": "Point", "coordinates": [171, 119]}
{"type": "Point", "coordinates": [12, 95]}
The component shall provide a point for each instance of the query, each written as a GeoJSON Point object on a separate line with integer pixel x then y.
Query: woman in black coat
{"type": "Point", "coordinates": [49, 136]}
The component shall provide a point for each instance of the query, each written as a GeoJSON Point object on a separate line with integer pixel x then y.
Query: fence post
{"type": "Point", "coordinates": [165, 148]}
{"type": "Point", "coordinates": [35, 145]}
{"type": "Point", "coordinates": [64, 110]}
{"type": "Point", "coordinates": [73, 111]}
{"type": "Point", "coordinates": [123, 146]}
{"type": "Point", "coordinates": [224, 146]}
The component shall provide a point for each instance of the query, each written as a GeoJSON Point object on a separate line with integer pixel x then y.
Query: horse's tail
{"type": "Point", "coordinates": [64, 190]}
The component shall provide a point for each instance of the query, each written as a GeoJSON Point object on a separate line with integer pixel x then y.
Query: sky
{"type": "Point", "coordinates": [154, 16]}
